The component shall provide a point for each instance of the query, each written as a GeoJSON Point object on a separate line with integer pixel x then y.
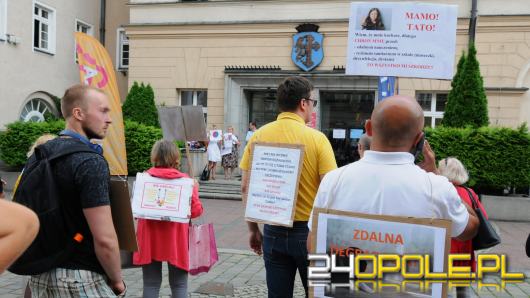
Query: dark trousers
{"type": "Point", "coordinates": [284, 252]}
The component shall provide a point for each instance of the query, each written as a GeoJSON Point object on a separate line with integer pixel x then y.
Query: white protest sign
{"type": "Point", "coordinates": [228, 140]}
{"type": "Point", "coordinates": [162, 199]}
{"type": "Point", "coordinates": [273, 183]}
{"type": "Point", "coordinates": [216, 135]}
{"type": "Point", "coordinates": [405, 39]}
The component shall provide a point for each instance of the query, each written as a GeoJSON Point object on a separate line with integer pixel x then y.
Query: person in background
{"type": "Point", "coordinates": [230, 160]}
{"type": "Point", "coordinates": [18, 227]}
{"type": "Point", "coordinates": [364, 144]}
{"type": "Point", "coordinates": [214, 153]}
{"type": "Point", "coordinates": [165, 241]}
{"type": "Point", "coordinates": [251, 129]}
{"type": "Point", "coordinates": [457, 174]}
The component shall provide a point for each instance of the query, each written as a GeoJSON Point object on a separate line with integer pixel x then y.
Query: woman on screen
{"type": "Point", "coordinates": [373, 20]}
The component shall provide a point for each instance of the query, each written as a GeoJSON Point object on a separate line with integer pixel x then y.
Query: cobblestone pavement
{"type": "Point", "coordinates": [240, 273]}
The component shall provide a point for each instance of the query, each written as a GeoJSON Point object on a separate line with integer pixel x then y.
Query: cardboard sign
{"type": "Point", "coordinates": [273, 183]}
{"type": "Point", "coordinates": [120, 205]}
{"type": "Point", "coordinates": [162, 199]}
{"type": "Point", "coordinates": [182, 123]}
{"type": "Point", "coordinates": [337, 231]}
{"type": "Point", "coordinates": [403, 39]}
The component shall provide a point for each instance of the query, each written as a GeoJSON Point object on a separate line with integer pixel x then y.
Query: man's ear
{"type": "Point", "coordinates": [368, 127]}
{"type": "Point", "coordinates": [78, 114]}
{"type": "Point", "coordinates": [417, 139]}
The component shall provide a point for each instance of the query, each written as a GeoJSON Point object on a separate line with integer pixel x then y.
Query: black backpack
{"type": "Point", "coordinates": [57, 237]}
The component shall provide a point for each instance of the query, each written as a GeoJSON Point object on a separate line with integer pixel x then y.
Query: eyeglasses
{"type": "Point", "coordinates": [313, 100]}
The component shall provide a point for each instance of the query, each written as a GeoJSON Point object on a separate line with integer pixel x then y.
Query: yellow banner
{"type": "Point", "coordinates": [95, 69]}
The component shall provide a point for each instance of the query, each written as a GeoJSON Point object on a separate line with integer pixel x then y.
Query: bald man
{"type": "Point", "coordinates": [386, 181]}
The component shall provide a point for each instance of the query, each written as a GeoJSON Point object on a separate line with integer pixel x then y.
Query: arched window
{"type": "Point", "coordinates": [35, 110]}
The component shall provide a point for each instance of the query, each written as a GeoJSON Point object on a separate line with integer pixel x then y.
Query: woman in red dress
{"type": "Point", "coordinates": [165, 241]}
{"type": "Point", "coordinates": [457, 174]}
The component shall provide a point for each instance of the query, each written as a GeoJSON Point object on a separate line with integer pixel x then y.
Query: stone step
{"type": "Point", "coordinates": [219, 196]}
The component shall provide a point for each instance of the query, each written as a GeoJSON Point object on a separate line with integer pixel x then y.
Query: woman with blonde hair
{"type": "Point", "coordinates": [165, 241]}
{"type": "Point", "coordinates": [457, 174]}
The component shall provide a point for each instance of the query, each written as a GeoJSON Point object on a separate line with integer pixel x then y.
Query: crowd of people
{"type": "Point", "coordinates": [385, 181]}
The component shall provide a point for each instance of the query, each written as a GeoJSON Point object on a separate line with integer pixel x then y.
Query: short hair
{"type": "Point", "coordinates": [74, 97]}
{"type": "Point", "coordinates": [40, 140]}
{"type": "Point", "coordinates": [366, 141]}
{"type": "Point", "coordinates": [454, 170]}
{"type": "Point", "coordinates": [291, 91]}
{"type": "Point", "coordinates": [165, 154]}
{"type": "Point", "coordinates": [253, 122]}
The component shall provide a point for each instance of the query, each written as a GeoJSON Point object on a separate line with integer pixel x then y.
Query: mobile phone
{"type": "Point", "coordinates": [419, 147]}
{"type": "Point", "coordinates": [1, 186]}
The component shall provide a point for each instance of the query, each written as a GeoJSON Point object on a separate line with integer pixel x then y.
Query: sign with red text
{"type": "Point", "coordinates": [401, 39]}
{"type": "Point", "coordinates": [343, 233]}
{"type": "Point", "coordinates": [273, 183]}
{"type": "Point", "coordinates": [162, 199]}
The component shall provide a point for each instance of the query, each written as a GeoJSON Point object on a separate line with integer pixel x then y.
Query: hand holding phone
{"type": "Point", "coordinates": [429, 159]}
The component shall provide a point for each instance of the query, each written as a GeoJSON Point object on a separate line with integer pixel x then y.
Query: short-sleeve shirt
{"type": "Point", "coordinates": [83, 181]}
{"type": "Point", "coordinates": [389, 183]}
{"type": "Point", "coordinates": [289, 128]}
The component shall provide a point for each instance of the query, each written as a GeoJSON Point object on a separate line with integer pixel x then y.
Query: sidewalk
{"type": "Point", "coordinates": [240, 273]}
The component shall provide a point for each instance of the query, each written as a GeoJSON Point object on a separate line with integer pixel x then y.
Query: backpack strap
{"type": "Point", "coordinates": [42, 152]}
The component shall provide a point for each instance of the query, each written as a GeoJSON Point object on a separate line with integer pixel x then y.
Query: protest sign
{"type": "Point", "coordinates": [162, 199]}
{"type": "Point", "coordinates": [340, 232]}
{"type": "Point", "coordinates": [122, 217]}
{"type": "Point", "coordinates": [216, 135]}
{"type": "Point", "coordinates": [401, 39]}
{"type": "Point", "coordinates": [273, 183]}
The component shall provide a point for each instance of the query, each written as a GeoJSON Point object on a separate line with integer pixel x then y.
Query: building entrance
{"type": "Point", "coordinates": [342, 118]}
{"type": "Point", "coordinates": [263, 107]}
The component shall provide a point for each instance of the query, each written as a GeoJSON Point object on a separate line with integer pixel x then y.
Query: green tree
{"type": "Point", "coordinates": [468, 104]}
{"type": "Point", "coordinates": [451, 113]}
{"type": "Point", "coordinates": [140, 105]}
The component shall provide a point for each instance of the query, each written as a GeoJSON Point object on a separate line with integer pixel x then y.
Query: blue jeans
{"type": "Point", "coordinates": [284, 252]}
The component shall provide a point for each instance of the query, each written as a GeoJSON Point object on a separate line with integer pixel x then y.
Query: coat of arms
{"type": "Point", "coordinates": [307, 47]}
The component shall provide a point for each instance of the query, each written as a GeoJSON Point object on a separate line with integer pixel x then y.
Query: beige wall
{"type": "Point", "coordinates": [117, 17]}
{"type": "Point", "coordinates": [187, 55]}
{"type": "Point", "coordinates": [25, 71]}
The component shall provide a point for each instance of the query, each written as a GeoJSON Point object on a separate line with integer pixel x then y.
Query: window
{"type": "Point", "coordinates": [433, 105]}
{"type": "Point", "coordinates": [3, 19]}
{"type": "Point", "coordinates": [43, 28]}
{"type": "Point", "coordinates": [81, 26]}
{"type": "Point", "coordinates": [123, 50]}
{"type": "Point", "coordinates": [86, 28]}
{"type": "Point", "coordinates": [35, 110]}
{"type": "Point", "coordinates": [195, 98]}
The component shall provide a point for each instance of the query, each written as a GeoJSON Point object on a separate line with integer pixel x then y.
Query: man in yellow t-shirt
{"type": "Point", "coordinates": [284, 249]}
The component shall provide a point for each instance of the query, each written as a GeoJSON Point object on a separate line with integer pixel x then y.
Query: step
{"type": "Point", "coordinates": [219, 196]}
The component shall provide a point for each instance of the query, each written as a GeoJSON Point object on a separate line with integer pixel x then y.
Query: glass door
{"type": "Point", "coordinates": [343, 115]}
{"type": "Point", "coordinates": [263, 107]}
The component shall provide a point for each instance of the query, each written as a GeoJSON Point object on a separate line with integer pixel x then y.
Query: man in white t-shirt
{"type": "Point", "coordinates": [386, 181]}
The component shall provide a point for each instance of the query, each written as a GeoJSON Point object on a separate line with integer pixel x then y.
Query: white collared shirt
{"type": "Point", "coordinates": [389, 183]}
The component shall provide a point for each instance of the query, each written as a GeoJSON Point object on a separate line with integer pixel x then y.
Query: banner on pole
{"type": "Point", "coordinates": [96, 70]}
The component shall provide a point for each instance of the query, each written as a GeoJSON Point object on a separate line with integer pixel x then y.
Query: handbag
{"type": "Point", "coordinates": [202, 248]}
{"type": "Point", "coordinates": [486, 236]}
{"type": "Point", "coordinates": [205, 175]}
